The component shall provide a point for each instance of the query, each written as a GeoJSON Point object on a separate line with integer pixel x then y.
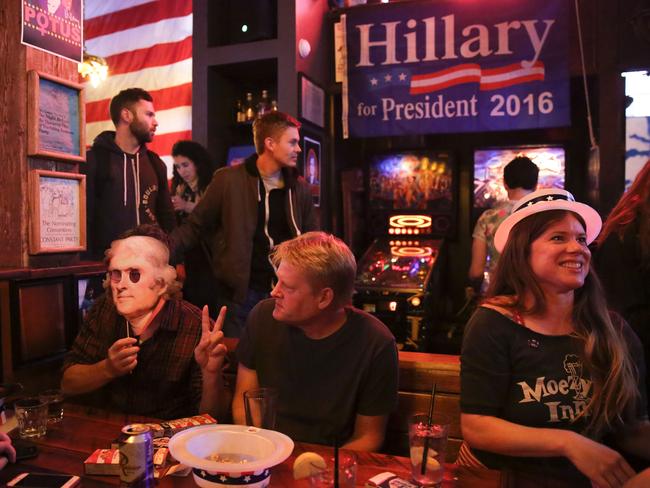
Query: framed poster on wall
{"type": "Point", "coordinates": [57, 212]}
{"type": "Point", "coordinates": [54, 26]}
{"type": "Point", "coordinates": [56, 118]}
{"type": "Point", "coordinates": [311, 101]}
{"type": "Point", "coordinates": [311, 168]}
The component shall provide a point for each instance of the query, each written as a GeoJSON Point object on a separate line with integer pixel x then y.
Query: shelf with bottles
{"type": "Point", "coordinates": [228, 83]}
{"type": "Point", "coordinates": [249, 109]}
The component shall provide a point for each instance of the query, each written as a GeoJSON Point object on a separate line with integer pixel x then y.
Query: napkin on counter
{"type": "Point", "coordinates": [388, 480]}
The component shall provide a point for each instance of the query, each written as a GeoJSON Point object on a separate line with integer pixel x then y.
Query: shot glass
{"type": "Point", "coordinates": [427, 445]}
{"type": "Point", "coordinates": [54, 400]}
{"type": "Point", "coordinates": [31, 414]}
{"type": "Point", "coordinates": [261, 407]}
{"type": "Point", "coordinates": [347, 471]}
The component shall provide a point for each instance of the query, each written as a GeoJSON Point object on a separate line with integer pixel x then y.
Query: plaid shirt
{"type": "Point", "coordinates": [166, 382]}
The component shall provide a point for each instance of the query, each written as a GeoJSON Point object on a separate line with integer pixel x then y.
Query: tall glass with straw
{"type": "Point", "coordinates": [428, 444]}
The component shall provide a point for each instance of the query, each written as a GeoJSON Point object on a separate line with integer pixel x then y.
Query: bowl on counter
{"type": "Point", "coordinates": [227, 455]}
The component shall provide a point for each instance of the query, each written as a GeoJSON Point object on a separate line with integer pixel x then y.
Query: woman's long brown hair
{"type": "Point", "coordinates": [633, 209]}
{"type": "Point", "coordinates": [605, 352]}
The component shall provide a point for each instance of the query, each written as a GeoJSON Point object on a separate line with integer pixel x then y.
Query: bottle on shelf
{"type": "Point", "coordinates": [274, 105]}
{"type": "Point", "coordinates": [263, 106]}
{"type": "Point", "coordinates": [249, 109]}
{"type": "Point", "coordinates": [240, 116]}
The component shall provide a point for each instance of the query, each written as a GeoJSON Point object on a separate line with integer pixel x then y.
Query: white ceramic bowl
{"type": "Point", "coordinates": [263, 449]}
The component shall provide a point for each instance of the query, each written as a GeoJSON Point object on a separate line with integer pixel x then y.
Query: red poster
{"type": "Point", "coordinates": [55, 26]}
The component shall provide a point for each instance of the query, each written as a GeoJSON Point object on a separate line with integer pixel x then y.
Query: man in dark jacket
{"type": "Point", "coordinates": [249, 209]}
{"type": "Point", "coordinates": [126, 183]}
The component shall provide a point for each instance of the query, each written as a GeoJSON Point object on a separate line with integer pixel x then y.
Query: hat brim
{"type": "Point", "coordinates": [592, 219]}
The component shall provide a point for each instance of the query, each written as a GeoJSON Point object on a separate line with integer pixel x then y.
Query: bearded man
{"type": "Point", "coordinates": [142, 349]}
{"type": "Point", "coordinates": [126, 183]}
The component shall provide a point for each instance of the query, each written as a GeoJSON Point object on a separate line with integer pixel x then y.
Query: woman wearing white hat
{"type": "Point", "coordinates": [547, 375]}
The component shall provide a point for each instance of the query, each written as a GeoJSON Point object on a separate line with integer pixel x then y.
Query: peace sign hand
{"type": "Point", "coordinates": [211, 352]}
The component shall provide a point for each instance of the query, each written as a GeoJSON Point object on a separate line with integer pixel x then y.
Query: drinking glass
{"type": "Point", "coordinates": [31, 414]}
{"type": "Point", "coordinates": [261, 407]}
{"type": "Point", "coordinates": [347, 471]}
{"type": "Point", "coordinates": [54, 400]}
{"type": "Point", "coordinates": [431, 438]}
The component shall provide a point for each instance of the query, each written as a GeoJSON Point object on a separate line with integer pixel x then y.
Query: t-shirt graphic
{"type": "Point", "coordinates": [570, 395]}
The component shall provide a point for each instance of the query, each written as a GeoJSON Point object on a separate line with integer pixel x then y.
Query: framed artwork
{"type": "Point", "coordinates": [56, 118]}
{"type": "Point", "coordinates": [57, 212]}
{"type": "Point", "coordinates": [311, 167]}
{"type": "Point", "coordinates": [311, 105]}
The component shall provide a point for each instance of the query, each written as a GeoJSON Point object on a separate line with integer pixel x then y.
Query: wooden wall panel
{"type": "Point", "coordinates": [53, 65]}
{"type": "Point", "coordinates": [42, 321]}
{"type": "Point", "coordinates": [15, 61]}
{"type": "Point", "coordinates": [13, 112]}
{"type": "Point", "coordinates": [62, 68]}
{"type": "Point", "coordinates": [5, 332]}
{"type": "Point", "coordinates": [417, 373]}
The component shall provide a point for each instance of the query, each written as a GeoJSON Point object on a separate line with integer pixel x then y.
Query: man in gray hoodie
{"type": "Point", "coordinates": [126, 183]}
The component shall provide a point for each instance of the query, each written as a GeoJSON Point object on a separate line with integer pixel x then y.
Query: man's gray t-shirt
{"type": "Point", "coordinates": [323, 384]}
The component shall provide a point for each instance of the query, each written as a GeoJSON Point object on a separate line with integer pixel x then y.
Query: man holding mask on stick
{"type": "Point", "coordinates": [152, 353]}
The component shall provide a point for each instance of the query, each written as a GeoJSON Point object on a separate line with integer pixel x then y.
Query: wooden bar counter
{"type": "Point", "coordinates": [85, 429]}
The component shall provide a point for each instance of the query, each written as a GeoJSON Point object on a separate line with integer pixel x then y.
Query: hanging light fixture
{"type": "Point", "coordinates": [94, 69]}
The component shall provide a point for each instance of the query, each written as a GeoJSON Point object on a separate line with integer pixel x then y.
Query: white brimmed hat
{"type": "Point", "coordinates": [541, 201]}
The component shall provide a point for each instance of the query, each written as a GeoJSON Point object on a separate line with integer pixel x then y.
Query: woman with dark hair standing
{"type": "Point", "coordinates": [548, 380]}
{"type": "Point", "coordinates": [623, 259]}
{"type": "Point", "coordinates": [192, 173]}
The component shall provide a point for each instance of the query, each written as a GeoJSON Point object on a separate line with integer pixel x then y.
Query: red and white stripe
{"type": "Point", "coordinates": [147, 44]}
{"type": "Point", "coordinates": [488, 79]}
{"type": "Point", "coordinates": [467, 458]}
{"type": "Point", "coordinates": [439, 80]}
{"type": "Point", "coordinates": [493, 79]}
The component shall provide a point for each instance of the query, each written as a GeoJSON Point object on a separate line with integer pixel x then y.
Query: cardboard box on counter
{"type": "Point", "coordinates": [103, 462]}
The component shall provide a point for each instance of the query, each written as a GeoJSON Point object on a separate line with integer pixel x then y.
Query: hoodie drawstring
{"type": "Point", "coordinates": [293, 218]}
{"type": "Point", "coordinates": [135, 169]}
{"type": "Point", "coordinates": [136, 184]}
{"type": "Point", "coordinates": [124, 176]}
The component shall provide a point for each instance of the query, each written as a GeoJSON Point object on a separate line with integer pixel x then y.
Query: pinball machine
{"type": "Point", "coordinates": [410, 213]}
{"type": "Point", "coordinates": [488, 172]}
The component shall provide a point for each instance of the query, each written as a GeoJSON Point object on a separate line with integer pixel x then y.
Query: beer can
{"type": "Point", "coordinates": [136, 457]}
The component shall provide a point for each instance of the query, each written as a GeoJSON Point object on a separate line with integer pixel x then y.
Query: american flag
{"type": "Point", "coordinates": [147, 44]}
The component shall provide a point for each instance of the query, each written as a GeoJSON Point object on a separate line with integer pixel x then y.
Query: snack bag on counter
{"type": "Point", "coordinates": [171, 427]}
{"type": "Point", "coordinates": [167, 429]}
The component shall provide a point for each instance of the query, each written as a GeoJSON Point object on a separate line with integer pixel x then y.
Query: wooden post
{"type": "Point", "coordinates": [16, 60]}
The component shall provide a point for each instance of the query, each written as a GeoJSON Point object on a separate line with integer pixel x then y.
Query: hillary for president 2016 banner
{"type": "Point", "coordinates": [456, 66]}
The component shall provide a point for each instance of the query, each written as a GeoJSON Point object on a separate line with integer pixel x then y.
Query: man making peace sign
{"type": "Point", "coordinates": [142, 349]}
